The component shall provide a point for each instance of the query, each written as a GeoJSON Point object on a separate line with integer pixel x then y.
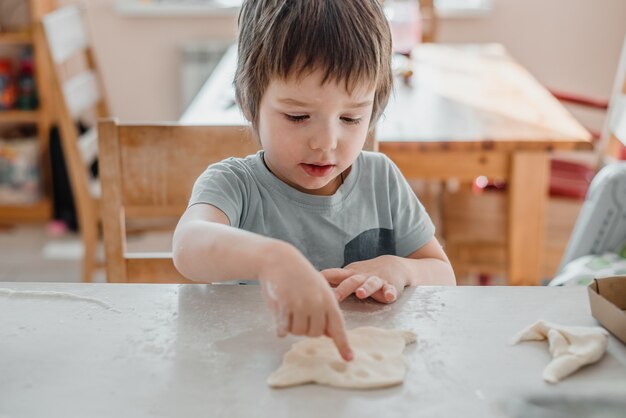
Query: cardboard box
{"type": "Point", "coordinates": [607, 298]}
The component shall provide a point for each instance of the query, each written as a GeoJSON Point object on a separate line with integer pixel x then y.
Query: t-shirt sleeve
{"type": "Point", "coordinates": [412, 224]}
{"type": "Point", "coordinates": [224, 186]}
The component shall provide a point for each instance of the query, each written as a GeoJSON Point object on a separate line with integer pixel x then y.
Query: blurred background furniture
{"type": "Point", "coordinates": [476, 233]}
{"type": "Point", "coordinates": [78, 97]}
{"type": "Point", "coordinates": [24, 33]}
{"type": "Point", "coordinates": [147, 172]}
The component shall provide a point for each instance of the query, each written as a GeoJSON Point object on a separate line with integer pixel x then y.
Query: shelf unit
{"type": "Point", "coordinates": [42, 117]}
{"type": "Point", "coordinates": [19, 116]}
{"type": "Point", "coordinates": [24, 38]}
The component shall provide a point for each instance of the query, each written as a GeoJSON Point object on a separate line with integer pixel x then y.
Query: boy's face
{"type": "Point", "coordinates": [311, 132]}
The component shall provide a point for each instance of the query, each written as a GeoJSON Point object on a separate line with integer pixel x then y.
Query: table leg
{"type": "Point", "coordinates": [528, 195]}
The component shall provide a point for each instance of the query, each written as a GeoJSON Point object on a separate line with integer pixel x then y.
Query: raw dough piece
{"type": "Point", "coordinates": [571, 347]}
{"type": "Point", "coordinates": [378, 361]}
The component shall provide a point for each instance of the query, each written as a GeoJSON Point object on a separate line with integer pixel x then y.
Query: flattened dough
{"type": "Point", "coordinates": [378, 361]}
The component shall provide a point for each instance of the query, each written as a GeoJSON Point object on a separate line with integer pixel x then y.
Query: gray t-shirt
{"type": "Point", "coordinates": [374, 212]}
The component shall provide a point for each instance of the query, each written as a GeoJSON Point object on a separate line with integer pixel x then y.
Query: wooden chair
{"type": "Point", "coordinates": [77, 94]}
{"type": "Point", "coordinates": [147, 172]}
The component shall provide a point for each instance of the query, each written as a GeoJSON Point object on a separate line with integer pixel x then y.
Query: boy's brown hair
{"type": "Point", "coordinates": [349, 40]}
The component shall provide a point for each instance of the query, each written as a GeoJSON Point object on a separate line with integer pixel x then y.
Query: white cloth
{"type": "Point", "coordinates": [571, 347]}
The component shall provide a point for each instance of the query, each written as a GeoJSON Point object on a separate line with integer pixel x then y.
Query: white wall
{"type": "Point", "coordinates": [140, 57]}
{"type": "Point", "coordinates": [567, 44]}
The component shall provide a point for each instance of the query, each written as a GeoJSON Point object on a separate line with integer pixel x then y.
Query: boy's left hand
{"type": "Point", "coordinates": [375, 278]}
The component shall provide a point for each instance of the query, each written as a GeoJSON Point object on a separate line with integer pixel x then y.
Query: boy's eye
{"type": "Point", "coordinates": [296, 118]}
{"type": "Point", "coordinates": [351, 121]}
{"type": "Point", "coordinates": [302, 118]}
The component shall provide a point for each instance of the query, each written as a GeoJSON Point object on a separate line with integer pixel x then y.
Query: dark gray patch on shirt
{"type": "Point", "coordinates": [370, 244]}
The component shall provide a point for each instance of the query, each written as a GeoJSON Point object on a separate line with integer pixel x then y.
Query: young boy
{"type": "Point", "coordinates": [312, 209]}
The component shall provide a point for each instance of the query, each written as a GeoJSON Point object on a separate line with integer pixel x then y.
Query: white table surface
{"type": "Point", "coordinates": [207, 350]}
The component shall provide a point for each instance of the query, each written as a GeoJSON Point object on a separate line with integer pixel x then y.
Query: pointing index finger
{"type": "Point", "coordinates": [337, 331]}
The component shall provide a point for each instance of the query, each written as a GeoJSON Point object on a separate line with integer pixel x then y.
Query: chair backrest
{"type": "Point", "coordinates": [77, 93]}
{"type": "Point", "coordinates": [147, 172]}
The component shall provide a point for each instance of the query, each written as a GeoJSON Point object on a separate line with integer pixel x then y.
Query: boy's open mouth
{"type": "Point", "coordinates": [317, 170]}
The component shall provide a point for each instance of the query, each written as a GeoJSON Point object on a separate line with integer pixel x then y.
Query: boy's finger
{"type": "Point", "coordinates": [337, 331]}
{"type": "Point", "coordinates": [335, 276]}
{"type": "Point", "coordinates": [369, 287]}
{"type": "Point", "coordinates": [349, 286]}
{"type": "Point", "coordinates": [317, 325]}
{"type": "Point", "coordinates": [300, 324]}
{"type": "Point", "coordinates": [379, 296]}
{"type": "Point", "coordinates": [390, 292]}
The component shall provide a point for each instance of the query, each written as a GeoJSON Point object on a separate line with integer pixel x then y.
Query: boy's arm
{"type": "Point", "coordinates": [429, 265]}
{"type": "Point", "coordinates": [384, 277]}
{"type": "Point", "coordinates": [207, 249]}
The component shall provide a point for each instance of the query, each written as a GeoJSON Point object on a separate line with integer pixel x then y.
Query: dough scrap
{"type": "Point", "coordinates": [378, 361]}
{"type": "Point", "coordinates": [571, 347]}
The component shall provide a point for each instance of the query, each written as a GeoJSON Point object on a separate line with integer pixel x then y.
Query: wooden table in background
{"type": "Point", "coordinates": [470, 111]}
{"type": "Point", "coordinates": [125, 350]}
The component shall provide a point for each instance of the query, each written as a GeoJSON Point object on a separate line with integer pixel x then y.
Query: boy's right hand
{"type": "Point", "coordinates": [301, 299]}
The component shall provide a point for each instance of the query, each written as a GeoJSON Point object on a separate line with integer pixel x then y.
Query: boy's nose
{"type": "Point", "coordinates": [324, 139]}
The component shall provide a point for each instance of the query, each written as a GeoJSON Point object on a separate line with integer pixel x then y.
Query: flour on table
{"type": "Point", "coordinates": [37, 294]}
{"type": "Point", "coordinates": [378, 361]}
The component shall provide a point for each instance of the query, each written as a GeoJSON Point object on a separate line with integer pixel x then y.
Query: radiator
{"type": "Point", "coordinates": [199, 58]}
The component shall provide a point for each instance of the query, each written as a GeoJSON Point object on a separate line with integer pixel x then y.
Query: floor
{"type": "Point", "coordinates": [31, 253]}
